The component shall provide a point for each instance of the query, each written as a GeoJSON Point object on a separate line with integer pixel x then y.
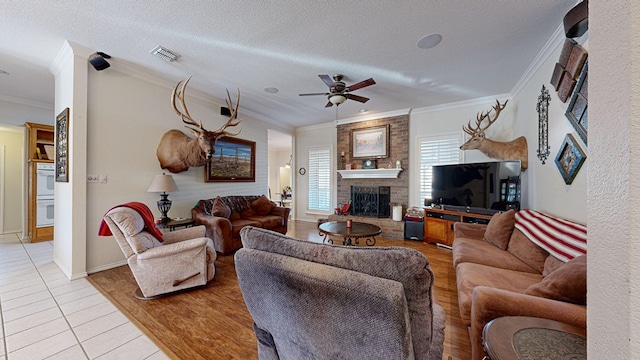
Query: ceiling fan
{"type": "Point", "coordinates": [339, 92]}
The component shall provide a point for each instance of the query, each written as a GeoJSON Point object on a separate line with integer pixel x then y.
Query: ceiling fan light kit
{"type": "Point", "coordinates": [339, 92]}
{"type": "Point", "coordinates": [337, 99]}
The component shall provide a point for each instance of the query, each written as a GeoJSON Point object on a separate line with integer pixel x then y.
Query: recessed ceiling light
{"type": "Point", "coordinates": [164, 53]}
{"type": "Point", "coordinates": [429, 41]}
{"type": "Point", "coordinates": [2, 72]}
{"type": "Point", "coordinates": [362, 111]}
{"type": "Point", "coordinates": [271, 90]}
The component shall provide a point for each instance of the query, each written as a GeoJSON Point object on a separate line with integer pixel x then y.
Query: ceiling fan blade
{"type": "Point", "coordinates": [313, 94]}
{"type": "Point", "coordinates": [327, 80]}
{"type": "Point", "coordinates": [361, 99]}
{"type": "Point", "coordinates": [329, 104]}
{"type": "Point", "coordinates": [361, 84]}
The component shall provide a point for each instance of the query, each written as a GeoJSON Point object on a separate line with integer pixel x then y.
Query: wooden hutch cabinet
{"type": "Point", "coordinates": [438, 224]}
{"type": "Point", "coordinates": [40, 182]}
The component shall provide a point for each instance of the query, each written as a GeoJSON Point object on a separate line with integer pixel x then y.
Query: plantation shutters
{"type": "Point", "coordinates": [436, 150]}
{"type": "Point", "coordinates": [320, 178]}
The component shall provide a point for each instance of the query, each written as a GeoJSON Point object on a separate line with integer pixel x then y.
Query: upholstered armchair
{"type": "Point", "coordinates": [184, 259]}
{"type": "Point", "coordinates": [318, 301]}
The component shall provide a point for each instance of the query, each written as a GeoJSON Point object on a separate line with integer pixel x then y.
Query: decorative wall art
{"type": "Point", "coordinates": [234, 160]}
{"type": "Point", "coordinates": [577, 110]}
{"type": "Point", "coordinates": [177, 151]}
{"type": "Point", "coordinates": [515, 149]}
{"type": "Point", "coordinates": [569, 159]}
{"type": "Point", "coordinates": [543, 124]}
{"type": "Point", "coordinates": [62, 146]}
{"type": "Point", "coordinates": [567, 69]}
{"type": "Point", "coordinates": [370, 142]}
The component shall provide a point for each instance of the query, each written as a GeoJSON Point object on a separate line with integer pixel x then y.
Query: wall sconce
{"type": "Point", "coordinates": [543, 124]}
{"type": "Point", "coordinates": [342, 160]}
{"type": "Point", "coordinates": [163, 184]}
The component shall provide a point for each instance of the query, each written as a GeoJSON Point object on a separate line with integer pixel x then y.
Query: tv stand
{"type": "Point", "coordinates": [438, 223]}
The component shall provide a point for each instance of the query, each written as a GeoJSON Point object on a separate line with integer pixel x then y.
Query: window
{"type": "Point", "coordinates": [320, 178]}
{"type": "Point", "coordinates": [436, 150]}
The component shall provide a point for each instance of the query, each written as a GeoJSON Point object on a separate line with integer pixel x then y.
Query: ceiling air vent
{"type": "Point", "coordinates": [165, 54]}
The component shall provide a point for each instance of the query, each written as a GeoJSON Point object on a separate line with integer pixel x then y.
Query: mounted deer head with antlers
{"type": "Point", "coordinates": [511, 150]}
{"type": "Point", "coordinates": [178, 152]}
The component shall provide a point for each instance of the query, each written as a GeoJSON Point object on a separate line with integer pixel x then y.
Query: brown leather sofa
{"type": "Point", "coordinates": [225, 216]}
{"type": "Point", "coordinates": [513, 276]}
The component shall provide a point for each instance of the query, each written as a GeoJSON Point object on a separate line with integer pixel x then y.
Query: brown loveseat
{"type": "Point", "coordinates": [501, 272]}
{"type": "Point", "coordinates": [225, 216]}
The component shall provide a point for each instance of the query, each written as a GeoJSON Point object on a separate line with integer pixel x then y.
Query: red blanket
{"type": "Point", "coordinates": [146, 214]}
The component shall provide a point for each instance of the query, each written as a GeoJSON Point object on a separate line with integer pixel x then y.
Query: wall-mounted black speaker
{"type": "Point", "coordinates": [98, 60]}
{"type": "Point", "coordinates": [225, 111]}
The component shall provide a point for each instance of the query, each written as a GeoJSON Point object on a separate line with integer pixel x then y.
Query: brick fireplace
{"type": "Point", "coordinates": [370, 201]}
{"type": "Point", "coordinates": [398, 188]}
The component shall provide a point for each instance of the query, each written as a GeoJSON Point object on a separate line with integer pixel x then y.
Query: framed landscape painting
{"type": "Point", "coordinates": [234, 160]}
{"type": "Point", "coordinates": [370, 142]}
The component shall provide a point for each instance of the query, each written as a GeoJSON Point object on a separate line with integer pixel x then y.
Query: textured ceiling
{"type": "Point", "coordinates": [487, 46]}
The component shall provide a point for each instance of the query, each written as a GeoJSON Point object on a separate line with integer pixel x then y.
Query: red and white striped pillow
{"type": "Point", "coordinates": [561, 238]}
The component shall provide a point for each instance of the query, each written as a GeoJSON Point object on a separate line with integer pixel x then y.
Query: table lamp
{"type": "Point", "coordinates": [163, 184]}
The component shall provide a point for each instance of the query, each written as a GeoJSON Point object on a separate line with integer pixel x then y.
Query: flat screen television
{"type": "Point", "coordinates": [493, 185]}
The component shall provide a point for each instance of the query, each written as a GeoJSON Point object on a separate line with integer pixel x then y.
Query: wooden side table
{"type": "Point", "coordinates": [529, 338]}
{"type": "Point", "coordinates": [173, 224]}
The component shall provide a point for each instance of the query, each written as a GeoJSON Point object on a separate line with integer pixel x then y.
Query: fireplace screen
{"type": "Point", "coordinates": [372, 201]}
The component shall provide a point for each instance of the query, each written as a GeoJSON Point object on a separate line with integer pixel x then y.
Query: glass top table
{"type": "Point", "coordinates": [522, 337]}
{"type": "Point", "coordinates": [350, 235]}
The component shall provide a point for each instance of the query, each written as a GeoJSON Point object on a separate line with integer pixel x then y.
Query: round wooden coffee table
{"type": "Point", "coordinates": [528, 338]}
{"type": "Point", "coordinates": [350, 235]}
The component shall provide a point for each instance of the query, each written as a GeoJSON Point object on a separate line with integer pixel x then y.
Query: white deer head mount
{"type": "Point", "coordinates": [511, 150]}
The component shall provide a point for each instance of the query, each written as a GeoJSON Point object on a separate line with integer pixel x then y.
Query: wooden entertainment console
{"type": "Point", "coordinates": [438, 223]}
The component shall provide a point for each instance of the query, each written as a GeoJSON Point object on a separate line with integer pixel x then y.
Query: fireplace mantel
{"type": "Point", "coordinates": [370, 173]}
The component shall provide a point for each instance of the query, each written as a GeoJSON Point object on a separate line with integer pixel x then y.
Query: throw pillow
{"type": "Point", "coordinates": [499, 230]}
{"type": "Point", "coordinates": [220, 209]}
{"type": "Point", "coordinates": [526, 251]}
{"type": "Point", "coordinates": [567, 283]}
{"type": "Point", "coordinates": [262, 206]}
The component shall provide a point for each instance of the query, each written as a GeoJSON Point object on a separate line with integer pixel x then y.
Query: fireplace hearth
{"type": "Point", "coordinates": [371, 201]}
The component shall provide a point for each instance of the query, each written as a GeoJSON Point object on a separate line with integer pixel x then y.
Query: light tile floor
{"type": "Point", "coordinates": [46, 316]}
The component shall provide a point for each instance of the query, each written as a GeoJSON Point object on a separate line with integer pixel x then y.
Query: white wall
{"type": "Point", "coordinates": [306, 137]}
{"type": "Point", "coordinates": [544, 187]}
{"type": "Point", "coordinates": [124, 129]}
{"type": "Point", "coordinates": [69, 249]}
{"type": "Point", "coordinates": [12, 164]}
{"type": "Point", "coordinates": [613, 266]}
{"type": "Point", "coordinates": [14, 115]}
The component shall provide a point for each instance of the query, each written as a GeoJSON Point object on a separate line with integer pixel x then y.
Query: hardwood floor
{"type": "Point", "coordinates": [212, 322]}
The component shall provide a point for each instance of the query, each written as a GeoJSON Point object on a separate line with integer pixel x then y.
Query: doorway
{"type": "Point", "coordinates": [280, 163]}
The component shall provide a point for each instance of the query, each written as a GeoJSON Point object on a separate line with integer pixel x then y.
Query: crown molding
{"type": "Point", "coordinates": [375, 116]}
{"type": "Point", "coordinates": [163, 81]}
{"type": "Point", "coordinates": [27, 102]}
{"type": "Point", "coordinates": [549, 47]}
{"type": "Point", "coordinates": [460, 104]}
{"type": "Point", "coordinates": [316, 127]}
